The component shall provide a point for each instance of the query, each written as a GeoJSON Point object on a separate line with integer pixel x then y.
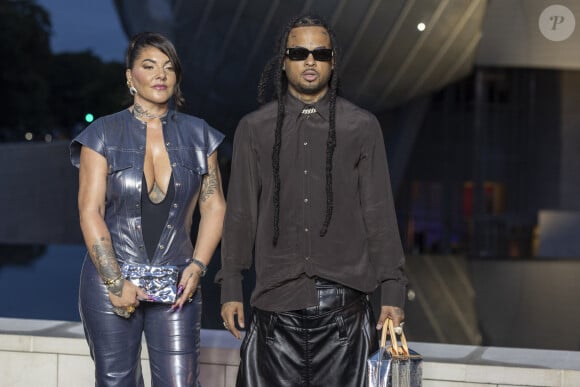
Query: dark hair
{"type": "Point", "coordinates": [274, 77]}
{"type": "Point", "coordinates": [143, 40]}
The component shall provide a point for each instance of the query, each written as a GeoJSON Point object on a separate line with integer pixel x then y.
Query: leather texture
{"type": "Point", "coordinates": [324, 345]}
{"type": "Point", "coordinates": [121, 139]}
{"type": "Point", "coordinates": [172, 338]}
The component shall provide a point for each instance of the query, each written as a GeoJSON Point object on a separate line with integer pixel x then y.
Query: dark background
{"type": "Point", "coordinates": [481, 125]}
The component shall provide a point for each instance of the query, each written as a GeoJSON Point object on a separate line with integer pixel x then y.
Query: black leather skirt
{"type": "Point", "coordinates": [325, 345]}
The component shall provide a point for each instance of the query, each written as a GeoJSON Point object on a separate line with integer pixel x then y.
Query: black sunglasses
{"type": "Point", "coordinates": [301, 53]}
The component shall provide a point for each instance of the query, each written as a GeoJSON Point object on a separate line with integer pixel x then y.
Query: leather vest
{"type": "Point", "coordinates": [120, 138]}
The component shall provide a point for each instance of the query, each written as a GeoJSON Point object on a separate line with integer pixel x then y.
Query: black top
{"type": "Point", "coordinates": [154, 216]}
{"type": "Point", "coordinates": [362, 248]}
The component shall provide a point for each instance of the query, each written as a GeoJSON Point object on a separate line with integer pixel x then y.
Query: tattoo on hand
{"type": "Point", "coordinates": [117, 287]}
{"type": "Point", "coordinates": [210, 183]}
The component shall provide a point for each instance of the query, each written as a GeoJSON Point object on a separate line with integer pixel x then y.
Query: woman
{"type": "Point", "coordinates": [141, 172]}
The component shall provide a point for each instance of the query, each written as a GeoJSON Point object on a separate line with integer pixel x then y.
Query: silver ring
{"type": "Point", "coordinates": [226, 325]}
{"type": "Point", "coordinates": [399, 330]}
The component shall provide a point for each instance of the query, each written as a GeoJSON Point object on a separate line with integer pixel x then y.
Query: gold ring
{"type": "Point", "coordinates": [190, 295]}
{"type": "Point", "coordinates": [130, 309]}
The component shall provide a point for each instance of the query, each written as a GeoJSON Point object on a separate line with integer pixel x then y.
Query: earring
{"type": "Point", "coordinates": [132, 89]}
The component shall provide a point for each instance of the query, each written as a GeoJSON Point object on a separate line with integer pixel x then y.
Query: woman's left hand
{"type": "Point", "coordinates": [187, 286]}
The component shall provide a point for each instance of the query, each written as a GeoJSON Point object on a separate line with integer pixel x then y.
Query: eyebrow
{"type": "Point", "coordinates": [315, 48]}
{"type": "Point", "coordinates": [154, 61]}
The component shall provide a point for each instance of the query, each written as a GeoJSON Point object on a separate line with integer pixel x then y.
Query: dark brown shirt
{"type": "Point", "coordinates": [362, 248]}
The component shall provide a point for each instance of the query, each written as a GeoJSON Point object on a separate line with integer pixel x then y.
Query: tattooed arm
{"type": "Point", "coordinates": [91, 200]}
{"type": "Point", "coordinates": [212, 208]}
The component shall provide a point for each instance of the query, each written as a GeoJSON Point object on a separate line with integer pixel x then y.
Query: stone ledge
{"type": "Point", "coordinates": [54, 342]}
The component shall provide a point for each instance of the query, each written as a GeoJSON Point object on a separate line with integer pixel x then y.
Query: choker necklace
{"type": "Point", "coordinates": [308, 109]}
{"type": "Point", "coordinates": [141, 113]}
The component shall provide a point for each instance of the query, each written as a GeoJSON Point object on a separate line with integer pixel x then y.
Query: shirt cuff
{"type": "Point", "coordinates": [393, 293]}
{"type": "Point", "coordinates": [231, 290]}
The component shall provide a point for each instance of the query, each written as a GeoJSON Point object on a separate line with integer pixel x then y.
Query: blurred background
{"type": "Point", "coordinates": [480, 106]}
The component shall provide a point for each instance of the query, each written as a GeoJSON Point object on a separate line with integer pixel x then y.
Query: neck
{"type": "Point", "coordinates": [143, 114]}
{"type": "Point", "coordinates": [308, 99]}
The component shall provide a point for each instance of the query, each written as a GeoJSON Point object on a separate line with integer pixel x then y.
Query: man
{"type": "Point", "coordinates": [310, 197]}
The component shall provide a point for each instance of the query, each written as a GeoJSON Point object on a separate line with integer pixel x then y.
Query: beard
{"type": "Point", "coordinates": [312, 88]}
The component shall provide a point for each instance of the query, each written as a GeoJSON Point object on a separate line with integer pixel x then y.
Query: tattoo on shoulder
{"type": "Point", "coordinates": [210, 183]}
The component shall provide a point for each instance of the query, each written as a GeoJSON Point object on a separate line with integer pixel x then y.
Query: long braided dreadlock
{"type": "Point", "coordinates": [273, 73]}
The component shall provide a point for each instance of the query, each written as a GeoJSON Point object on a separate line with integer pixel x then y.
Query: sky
{"type": "Point", "coordinates": [80, 25]}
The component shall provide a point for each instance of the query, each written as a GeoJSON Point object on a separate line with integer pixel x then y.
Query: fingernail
{"type": "Point", "coordinates": [179, 290]}
{"type": "Point", "coordinates": [180, 307]}
{"type": "Point", "coordinates": [172, 309]}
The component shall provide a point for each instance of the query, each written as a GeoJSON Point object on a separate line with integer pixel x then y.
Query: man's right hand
{"type": "Point", "coordinates": [229, 312]}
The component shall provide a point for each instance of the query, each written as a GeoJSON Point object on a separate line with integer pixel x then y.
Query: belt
{"type": "Point", "coordinates": [331, 296]}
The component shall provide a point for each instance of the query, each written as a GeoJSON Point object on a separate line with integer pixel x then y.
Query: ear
{"type": "Point", "coordinates": [128, 75]}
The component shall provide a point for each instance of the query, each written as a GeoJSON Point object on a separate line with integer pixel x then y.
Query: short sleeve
{"type": "Point", "coordinates": [92, 137]}
{"type": "Point", "coordinates": [213, 138]}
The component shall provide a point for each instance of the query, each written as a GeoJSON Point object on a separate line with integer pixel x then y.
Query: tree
{"type": "Point", "coordinates": [81, 83]}
{"type": "Point", "coordinates": [42, 92]}
{"type": "Point", "coordinates": [24, 38]}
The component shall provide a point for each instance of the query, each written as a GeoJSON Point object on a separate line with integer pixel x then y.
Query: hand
{"type": "Point", "coordinates": [129, 299]}
{"type": "Point", "coordinates": [394, 313]}
{"type": "Point", "coordinates": [229, 312]}
{"type": "Point", "coordinates": [187, 286]}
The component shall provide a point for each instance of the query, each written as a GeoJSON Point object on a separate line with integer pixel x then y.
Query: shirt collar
{"type": "Point", "coordinates": [294, 106]}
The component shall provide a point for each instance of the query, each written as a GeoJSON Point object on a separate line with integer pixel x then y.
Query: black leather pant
{"type": "Point", "coordinates": [325, 345]}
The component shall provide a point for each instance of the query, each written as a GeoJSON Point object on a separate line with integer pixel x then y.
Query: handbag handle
{"type": "Point", "coordinates": [396, 350]}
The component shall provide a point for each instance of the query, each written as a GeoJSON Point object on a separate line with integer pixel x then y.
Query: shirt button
{"type": "Point", "coordinates": [167, 143]}
{"type": "Point", "coordinates": [306, 200]}
{"type": "Point", "coordinates": [307, 258]}
{"type": "Point", "coordinates": [175, 205]}
{"type": "Point", "coordinates": [174, 165]}
{"type": "Point", "coordinates": [137, 205]}
{"type": "Point", "coordinates": [306, 172]}
{"type": "Point", "coordinates": [305, 143]}
{"type": "Point", "coordinates": [306, 229]}
{"type": "Point", "coordinates": [169, 226]}
{"type": "Point", "coordinates": [178, 184]}
{"type": "Point", "coordinates": [161, 247]}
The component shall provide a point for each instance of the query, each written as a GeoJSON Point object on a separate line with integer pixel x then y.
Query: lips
{"type": "Point", "coordinates": [160, 87]}
{"type": "Point", "coordinates": [310, 75]}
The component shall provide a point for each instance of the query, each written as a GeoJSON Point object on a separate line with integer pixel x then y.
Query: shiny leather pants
{"type": "Point", "coordinates": [326, 345]}
{"type": "Point", "coordinates": [115, 342]}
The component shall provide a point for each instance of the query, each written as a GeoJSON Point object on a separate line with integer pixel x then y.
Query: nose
{"type": "Point", "coordinates": [162, 74]}
{"type": "Point", "coordinates": [310, 61]}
